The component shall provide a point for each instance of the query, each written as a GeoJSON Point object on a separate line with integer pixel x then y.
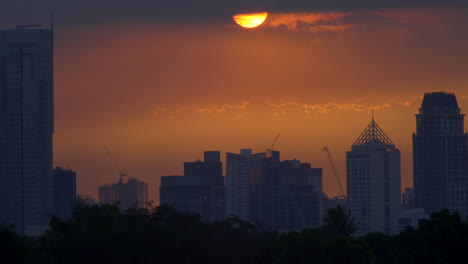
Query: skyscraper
{"type": "Point", "coordinates": [373, 181]}
{"type": "Point", "coordinates": [243, 173]}
{"type": "Point", "coordinates": [440, 155]}
{"type": "Point", "coordinates": [64, 193]}
{"type": "Point", "coordinates": [26, 128]}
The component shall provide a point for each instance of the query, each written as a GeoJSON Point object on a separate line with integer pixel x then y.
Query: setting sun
{"type": "Point", "coordinates": [250, 20]}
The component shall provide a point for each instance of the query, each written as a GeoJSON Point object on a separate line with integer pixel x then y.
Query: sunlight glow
{"type": "Point", "coordinates": [250, 20]}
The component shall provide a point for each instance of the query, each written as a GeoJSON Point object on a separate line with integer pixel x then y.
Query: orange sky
{"type": "Point", "coordinates": [160, 94]}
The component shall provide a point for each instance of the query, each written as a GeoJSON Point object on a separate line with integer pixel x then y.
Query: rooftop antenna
{"type": "Point", "coordinates": [372, 114]}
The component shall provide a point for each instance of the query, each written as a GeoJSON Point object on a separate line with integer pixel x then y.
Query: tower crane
{"type": "Point", "coordinates": [270, 150]}
{"type": "Point", "coordinates": [335, 171]}
{"type": "Point", "coordinates": [122, 172]}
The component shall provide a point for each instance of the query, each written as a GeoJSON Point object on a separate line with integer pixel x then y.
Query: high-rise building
{"type": "Point", "coordinates": [64, 193]}
{"type": "Point", "coordinates": [200, 190]}
{"type": "Point", "coordinates": [243, 174]}
{"type": "Point", "coordinates": [298, 195]}
{"type": "Point", "coordinates": [373, 181]}
{"type": "Point", "coordinates": [26, 128]}
{"type": "Point", "coordinates": [280, 194]}
{"type": "Point", "coordinates": [132, 193]}
{"type": "Point", "coordinates": [440, 155]}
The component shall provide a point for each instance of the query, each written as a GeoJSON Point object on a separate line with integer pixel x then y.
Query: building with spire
{"type": "Point", "coordinates": [440, 155]}
{"type": "Point", "coordinates": [373, 181]}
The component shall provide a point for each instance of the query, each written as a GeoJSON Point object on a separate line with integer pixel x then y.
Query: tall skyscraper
{"type": "Point", "coordinates": [127, 194]}
{"type": "Point", "coordinates": [373, 181]}
{"type": "Point", "coordinates": [440, 155]}
{"type": "Point", "coordinates": [26, 128]}
{"type": "Point", "coordinates": [64, 193]}
{"type": "Point", "coordinates": [200, 190]}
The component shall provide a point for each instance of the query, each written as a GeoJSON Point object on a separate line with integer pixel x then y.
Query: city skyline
{"type": "Point", "coordinates": [193, 94]}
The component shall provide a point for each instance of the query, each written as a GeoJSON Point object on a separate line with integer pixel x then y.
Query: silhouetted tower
{"type": "Point", "coordinates": [373, 180]}
{"type": "Point", "coordinates": [440, 155]}
{"type": "Point", "coordinates": [26, 128]}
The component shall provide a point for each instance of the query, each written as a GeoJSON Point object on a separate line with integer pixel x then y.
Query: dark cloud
{"type": "Point", "coordinates": [109, 11]}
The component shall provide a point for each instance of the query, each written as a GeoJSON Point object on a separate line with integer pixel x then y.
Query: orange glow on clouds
{"type": "Point", "coordinates": [250, 20]}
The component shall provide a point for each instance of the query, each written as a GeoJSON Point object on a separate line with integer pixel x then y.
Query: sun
{"type": "Point", "coordinates": [250, 20]}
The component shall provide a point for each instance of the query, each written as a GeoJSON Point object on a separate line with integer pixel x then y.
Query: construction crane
{"type": "Point", "coordinates": [270, 150]}
{"type": "Point", "coordinates": [122, 172]}
{"type": "Point", "coordinates": [335, 171]}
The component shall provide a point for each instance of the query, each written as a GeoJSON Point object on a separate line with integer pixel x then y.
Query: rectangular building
{"type": "Point", "coordinates": [26, 128]}
{"type": "Point", "coordinates": [200, 190]}
{"type": "Point", "coordinates": [64, 193]}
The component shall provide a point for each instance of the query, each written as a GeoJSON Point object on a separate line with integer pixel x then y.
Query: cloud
{"type": "Point", "coordinates": [411, 20]}
{"type": "Point", "coordinates": [311, 22]}
{"type": "Point", "coordinates": [285, 107]}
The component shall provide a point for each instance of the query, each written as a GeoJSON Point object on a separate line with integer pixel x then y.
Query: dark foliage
{"type": "Point", "coordinates": [102, 234]}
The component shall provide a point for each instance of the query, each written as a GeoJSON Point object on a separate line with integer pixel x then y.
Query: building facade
{"type": "Point", "coordinates": [440, 158]}
{"type": "Point", "coordinates": [200, 190]}
{"type": "Point", "coordinates": [243, 174]}
{"type": "Point", "coordinates": [26, 128]}
{"type": "Point", "coordinates": [282, 195]}
{"type": "Point", "coordinates": [373, 181]}
{"type": "Point", "coordinates": [64, 193]}
{"type": "Point", "coordinates": [132, 193]}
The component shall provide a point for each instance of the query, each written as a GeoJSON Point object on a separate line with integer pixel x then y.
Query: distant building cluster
{"type": "Point", "coordinates": [288, 194]}
{"type": "Point", "coordinates": [257, 187]}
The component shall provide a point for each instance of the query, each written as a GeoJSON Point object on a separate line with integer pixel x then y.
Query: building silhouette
{"type": "Point", "coordinates": [200, 190]}
{"type": "Point", "coordinates": [64, 193]}
{"type": "Point", "coordinates": [132, 193]}
{"type": "Point", "coordinates": [440, 155]}
{"type": "Point", "coordinates": [26, 128]}
{"type": "Point", "coordinates": [283, 195]}
{"type": "Point", "coordinates": [291, 195]}
{"type": "Point", "coordinates": [243, 173]}
{"type": "Point", "coordinates": [373, 181]}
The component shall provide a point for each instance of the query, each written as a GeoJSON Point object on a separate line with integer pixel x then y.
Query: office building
{"type": "Point", "coordinates": [373, 181]}
{"type": "Point", "coordinates": [296, 194]}
{"type": "Point", "coordinates": [26, 128]}
{"type": "Point", "coordinates": [440, 155]}
{"type": "Point", "coordinates": [243, 174]}
{"type": "Point", "coordinates": [132, 193]}
{"type": "Point", "coordinates": [200, 190]}
{"type": "Point", "coordinates": [283, 195]}
{"type": "Point", "coordinates": [64, 193]}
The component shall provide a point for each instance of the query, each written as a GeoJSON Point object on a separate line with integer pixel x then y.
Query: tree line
{"type": "Point", "coordinates": [104, 234]}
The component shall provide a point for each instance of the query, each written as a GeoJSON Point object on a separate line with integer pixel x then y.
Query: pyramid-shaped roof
{"type": "Point", "coordinates": [373, 135]}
